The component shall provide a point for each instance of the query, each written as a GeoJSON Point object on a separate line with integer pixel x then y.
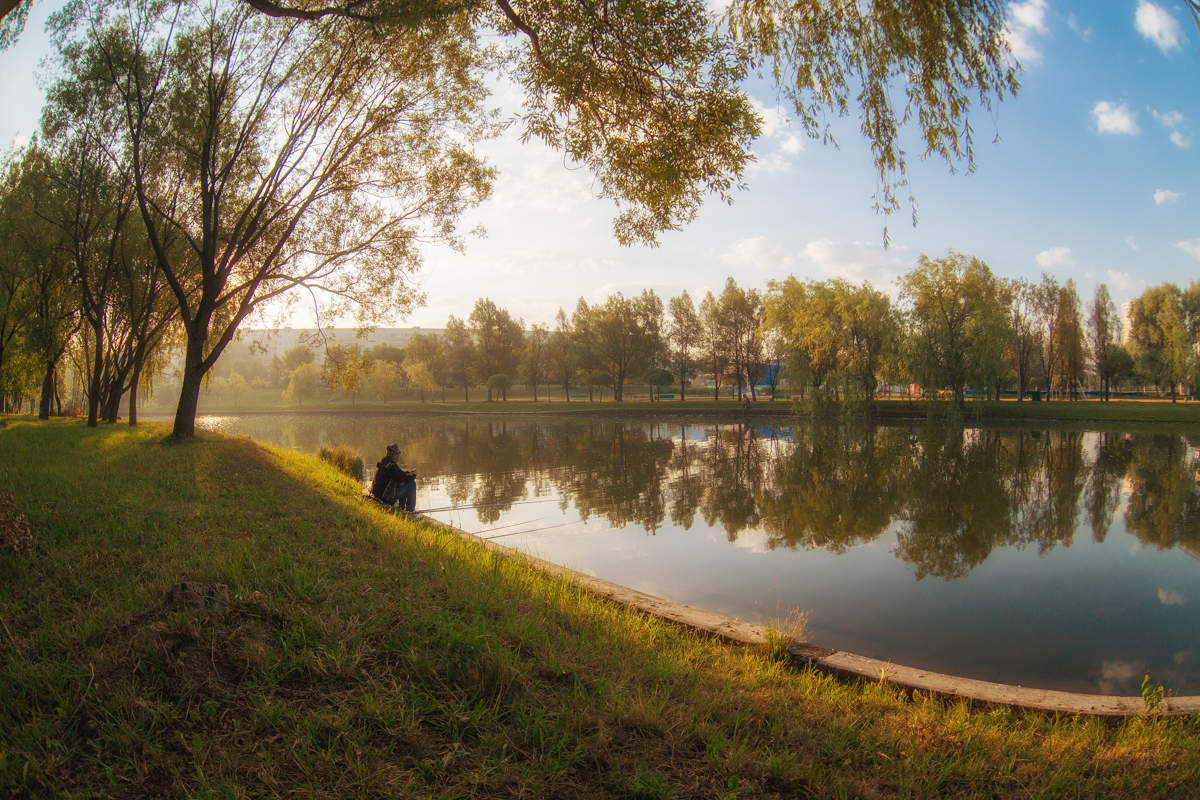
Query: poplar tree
{"type": "Point", "coordinates": [684, 334]}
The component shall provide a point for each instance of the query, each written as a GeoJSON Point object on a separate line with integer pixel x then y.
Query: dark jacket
{"type": "Point", "coordinates": [389, 477]}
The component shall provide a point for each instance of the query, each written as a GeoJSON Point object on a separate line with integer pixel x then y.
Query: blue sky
{"type": "Point", "coordinates": [1090, 173]}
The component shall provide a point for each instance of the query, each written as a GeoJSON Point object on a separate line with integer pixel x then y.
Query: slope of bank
{"type": "Point", "coordinates": [362, 655]}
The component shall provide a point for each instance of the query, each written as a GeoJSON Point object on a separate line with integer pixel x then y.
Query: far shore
{"type": "Point", "coordinates": [1077, 411]}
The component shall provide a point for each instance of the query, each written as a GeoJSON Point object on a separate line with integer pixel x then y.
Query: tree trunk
{"type": "Point", "coordinates": [47, 392]}
{"type": "Point", "coordinates": [94, 380]}
{"type": "Point", "coordinates": [133, 394]}
{"type": "Point", "coordinates": [112, 403]}
{"type": "Point", "coordinates": [193, 377]}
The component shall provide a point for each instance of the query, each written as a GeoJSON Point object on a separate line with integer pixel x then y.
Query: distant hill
{"type": "Point", "coordinates": [268, 342]}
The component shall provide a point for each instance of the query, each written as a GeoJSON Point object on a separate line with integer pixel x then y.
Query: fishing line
{"type": "Point", "coordinates": [486, 505]}
{"type": "Point", "coordinates": [509, 525]}
{"type": "Point", "coordinates": [532, 530]}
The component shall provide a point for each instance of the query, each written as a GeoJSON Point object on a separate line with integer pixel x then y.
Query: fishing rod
{"type": "Point", "coordinates": [486, 505]}
{"type": "Point", "coordinates": [533, 530]}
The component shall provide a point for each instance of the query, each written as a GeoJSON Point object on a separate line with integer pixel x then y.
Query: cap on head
{"type": "Point", "coordinates": [393, 448]}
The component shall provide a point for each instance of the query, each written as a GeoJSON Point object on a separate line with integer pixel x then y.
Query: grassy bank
{"type": "Point", "coordinates": [364, 656]}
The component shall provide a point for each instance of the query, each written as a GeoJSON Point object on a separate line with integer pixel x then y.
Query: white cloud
{"type": "Point", "coordinates": [756, 252]}
{"type": "Point", "coordinates": [858, 262]}
{"type": "Point", "coordinates": [1157, 25]}
{"type": "Point", "coordinates": [1113, 118]}
{"type": "Point", "coordinates": [774, 118]}
{"type": "Point", "coordinates": [778, 142]}
{"type": "Point", "coordinates": [1169, 119]}
{"type": "Point", "coordinates": [1170, 597]}
{"type": "Point", "coordinates": [1026, 22]}
{"type": "Point", "coordinates": [1030, 14]}
{"type": "Point", "coordinates": [770, 163]}
{"type": "Point", "coordinates": [1191, 247]}
{"type": "Point", "coordinates": [1125, 283]}
{"type": "Point", "coordinates": [792, 145]}
{"type": "Point", "coordinates": [1131, 243]}
{"type": "Point", "coordinates": [1172, 121]}
{"type": "Point", "coordinates": [1055, 257]}
{"type": "Point", "coordinates": [1164, 197]}
{"type": "Point", "coordinates": [1080, 30]}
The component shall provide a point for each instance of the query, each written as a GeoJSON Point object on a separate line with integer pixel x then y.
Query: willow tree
{"type": "Point", "coordinates": [645, 93]}
{"type": "Point", "coordinates": [957, 312]}
{"type": "Point", "coordinates": [287, 155]}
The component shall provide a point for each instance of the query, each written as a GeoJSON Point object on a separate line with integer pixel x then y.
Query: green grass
{"type": "Point", "coordinates": [366, 656]}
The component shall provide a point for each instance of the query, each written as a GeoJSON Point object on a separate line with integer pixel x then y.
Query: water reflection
{"type": "Point", "coordinates": [951, 495]}
{"type": "Point", "coordinates": [1058, 558]}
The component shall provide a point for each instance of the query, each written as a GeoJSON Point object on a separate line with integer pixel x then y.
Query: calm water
{"type": "Point", "coordinates": [1059, 559]}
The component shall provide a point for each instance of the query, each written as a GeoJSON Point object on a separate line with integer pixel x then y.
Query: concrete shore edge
{"type": "Point", "coordinates": [737, 631]}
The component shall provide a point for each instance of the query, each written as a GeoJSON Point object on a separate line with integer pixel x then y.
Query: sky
{"type": "Point", "coordinates": [1091, 173]}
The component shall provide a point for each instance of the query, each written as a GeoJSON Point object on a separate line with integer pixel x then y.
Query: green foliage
{"type": "Point", "coordinates": [498, 384]}
{"type": "Point", "coordinates": [303, 384]}
{"type": "Point", "coordinates": [658, 377]}
{"type": "Point", "coordinates": [1152, 695]}
{"type": "Point", "coordinates": [344, 459]}
{"type": "Point", "coordinates": [835, 331]}
{"type": "Point", "coordinates": [650, 784]}
{"type": "Point", "coordinates": [782, 634]}
{"type": "Point", "coordinates": [620, 338]}
{"type": "Point", "coordinates": [958, 319]}
{"type": "Point", "coordinates": [499, 340]}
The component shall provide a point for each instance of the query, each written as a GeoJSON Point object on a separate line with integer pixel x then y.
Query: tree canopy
{"type": "Point", "coordinates": [647, 94]}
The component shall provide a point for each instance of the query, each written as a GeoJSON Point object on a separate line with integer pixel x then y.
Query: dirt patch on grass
{"type": "Point", "coordinates": [16, 534]}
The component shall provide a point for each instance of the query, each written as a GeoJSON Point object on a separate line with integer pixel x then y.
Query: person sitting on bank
{"type": "Point", "coordinates": [393, 485]}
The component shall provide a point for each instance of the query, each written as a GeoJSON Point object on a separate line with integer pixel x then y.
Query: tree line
{"type": "Point", "coordinates": [957, 330]}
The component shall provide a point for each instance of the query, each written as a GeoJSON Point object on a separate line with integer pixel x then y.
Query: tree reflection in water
{"type": "Point", "coordinates": [950, 495]}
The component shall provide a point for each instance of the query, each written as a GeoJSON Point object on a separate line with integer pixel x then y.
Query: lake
{"type": "Point", "coordinates": [1052, 557]}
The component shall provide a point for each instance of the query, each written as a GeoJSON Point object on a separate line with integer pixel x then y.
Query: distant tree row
{"type": "Point", "coordinates": [957, 329]}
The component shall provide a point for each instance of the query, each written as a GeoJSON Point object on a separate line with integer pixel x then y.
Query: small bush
{"type": "Point", "coordinates": [344, 459]}
{"type": "Point", "coordinates": [782, 634]}
{"type": "Point", "coordinates": [16, 534]}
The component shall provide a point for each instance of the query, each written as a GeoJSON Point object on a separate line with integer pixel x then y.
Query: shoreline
{"type": "Point", "coordinates": [1095, 413]}
{"type": "Point", "coordinates": [747, 634]}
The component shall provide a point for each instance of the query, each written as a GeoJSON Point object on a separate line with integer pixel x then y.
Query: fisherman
{"type": "Point", "coordinates": [393, 485]}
